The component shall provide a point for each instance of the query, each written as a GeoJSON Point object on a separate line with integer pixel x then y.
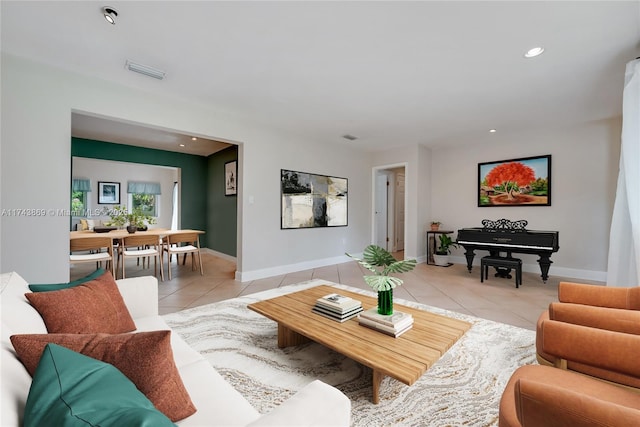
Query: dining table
{"type": "Point", "coordinates": [122, 233]}
{"type": "Point", "coordinates": [119, 235]}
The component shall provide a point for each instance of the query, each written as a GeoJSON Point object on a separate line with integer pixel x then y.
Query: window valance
{"type": "Point", "coordinates": [143, 187]}
{"type": "Point", "coordinates": [81, 185]}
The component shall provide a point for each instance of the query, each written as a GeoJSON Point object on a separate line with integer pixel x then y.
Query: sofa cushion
{"type": "Point", "coordinates": [215, 398]}
{"type": "Point", "coordinates": [16, 311]}
{"type": "Point", "coordinates": [92, 307]}
{"type": "Point", "coordinates": [71, 389]}
{"type": "Point", "coordinates": [146, 358]}
{"type": "Point", "coordinates": [57, 286]}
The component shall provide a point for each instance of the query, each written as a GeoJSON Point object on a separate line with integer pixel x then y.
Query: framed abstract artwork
{"type": "Point", "coordinates": [310, 200]}
{"type": "Point", "coordinates": [515, 182]}
{"type": "Point", "coordinates": [108, 193]}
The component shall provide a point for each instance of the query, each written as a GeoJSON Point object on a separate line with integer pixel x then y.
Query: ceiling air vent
{"type": "Point", "coordinates": [144, 69]}
{"type": "Point", "coordinates": [350, 137]}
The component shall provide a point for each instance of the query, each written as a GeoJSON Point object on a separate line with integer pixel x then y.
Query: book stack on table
{"type": "Point", "coordinates": [394, 324]}
{"type": "Point", "coordinates": [337, 307]}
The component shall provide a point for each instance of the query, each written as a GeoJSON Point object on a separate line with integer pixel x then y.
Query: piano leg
{"type": "Point", "coordinates": [470, 255]}
{"type": "Point", "coordinates": [545, 262]}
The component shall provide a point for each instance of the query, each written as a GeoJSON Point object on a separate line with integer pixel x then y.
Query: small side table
{"type": "Point", "coordinates": [432, 242]}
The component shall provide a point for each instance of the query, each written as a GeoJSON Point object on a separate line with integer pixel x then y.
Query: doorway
{"type": "Point", "coordinates": [389, 202]}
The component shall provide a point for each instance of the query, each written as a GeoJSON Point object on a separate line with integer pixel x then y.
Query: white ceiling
{"type": "Point", "coordinates": [391, 73]}
{"type": "Point", "coordinates": [102, 129]}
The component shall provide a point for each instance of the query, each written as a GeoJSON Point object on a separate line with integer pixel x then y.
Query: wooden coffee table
{"type": "Point", "coordinates": [404, 358]}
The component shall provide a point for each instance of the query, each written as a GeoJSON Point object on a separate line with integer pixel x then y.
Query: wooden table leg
{"type": "Point", "coordinates": [288, 337]}
{"type": "Point", "coordinates": [377, 379]}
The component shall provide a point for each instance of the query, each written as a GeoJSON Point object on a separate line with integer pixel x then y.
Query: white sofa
{"type": "Point", "coordinates": [217, 402]}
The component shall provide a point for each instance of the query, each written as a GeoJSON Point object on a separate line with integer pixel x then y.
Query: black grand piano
{"type": "Point", "coordinates": [508, 236]}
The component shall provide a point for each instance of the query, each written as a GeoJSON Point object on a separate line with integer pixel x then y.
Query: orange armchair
{"type": "Point", "coordinates": [543, 396]}
{"type": "Point", "coordinates": [614, 309]}
{"type": "Point", "coordinates": [599, 353]}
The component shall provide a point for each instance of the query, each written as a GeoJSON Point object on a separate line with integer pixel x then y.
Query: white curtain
{"type": "Point", "coordinates": [174, 211]}
{"type": "Point", "coordinates": [624, 239]}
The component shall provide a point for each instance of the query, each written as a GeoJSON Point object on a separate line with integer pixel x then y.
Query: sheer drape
{"type": "Point", "coordinates": [624, 239]}
{"type": "Point", "coordinates": [174, 211]}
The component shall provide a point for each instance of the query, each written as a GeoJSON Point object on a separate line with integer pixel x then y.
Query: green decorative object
{"type": "Point", "coordinates": [445, 245]}
{"type": "Point", "coordinates": [120, 217]}
{"type": "Point", "coordinates": [385, 302]}
{"type": "Point", "coordinates": [383, 264]}
{"type": "Point", "coordinates": [70, 389]}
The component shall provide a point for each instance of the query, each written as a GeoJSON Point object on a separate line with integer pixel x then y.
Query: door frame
{"type": "Point", "coordinates": [374, 172]}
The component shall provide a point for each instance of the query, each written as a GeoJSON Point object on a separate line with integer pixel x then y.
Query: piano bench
{"type": "Point", "coordinates": [500, 262]}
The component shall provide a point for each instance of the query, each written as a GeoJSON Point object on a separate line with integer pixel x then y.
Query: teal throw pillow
{"type": "Point", "coordinates": [70, 389]}
{"type": "Point", "coordinates": [57, 286]}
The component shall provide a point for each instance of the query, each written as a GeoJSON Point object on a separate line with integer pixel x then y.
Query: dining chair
{"type": "Point", "coordinates": [182, 243]}
{"type": "Point", "coordinates": [141, 245]}
{"type": "Point", "coordinates": [100, 249]}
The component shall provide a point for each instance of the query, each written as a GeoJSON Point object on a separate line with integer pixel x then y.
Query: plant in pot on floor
{"type": "Point", "coordinates": [383, 264]}
{"type": "Point", "coordinates": [441, 257]}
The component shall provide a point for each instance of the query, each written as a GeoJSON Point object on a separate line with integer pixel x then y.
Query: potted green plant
{"type": "Point", "coordinates": [118, 215]}
{"type": "Point", "coordinates": [134, 220]}
{"type": "Point", "coordinates": [138, 221]}
{"type": "Point", "coordinates": [383, 264]}
{"type": "Point", "coordinates": [441, 257]}
{"type": "Point", "coordinates": [435, 225]}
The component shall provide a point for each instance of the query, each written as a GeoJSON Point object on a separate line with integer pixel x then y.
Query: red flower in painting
{"type": "Point", "coordinates": [510, 176]}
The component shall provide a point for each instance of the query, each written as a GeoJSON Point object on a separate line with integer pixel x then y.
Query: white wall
{"type": "Point", "coordinates": [37, 102]}
{"type": "Point", "coordinates": [35, 157]}
{"type": "Point", "coordinates": [111, 171]}
{"type": "Point", "coordinates": [584, 171]}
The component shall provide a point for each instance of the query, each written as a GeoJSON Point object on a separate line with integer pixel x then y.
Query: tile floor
{"type": "Point", "coordinates": [451, 288]}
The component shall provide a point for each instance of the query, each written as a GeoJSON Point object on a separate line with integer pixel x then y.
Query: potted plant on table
{"type": "Point", "coordinates": [382, 264]}
{"type": "Point", "coordinates": [139, 220]}
{"type": "Point", "coordinates": [435, 225]}
{"type": "Point", "coordinates": [441, 257]}
{"type": "Point", "coordinates": [118, 215]}
{"type": "Point", "coordinates": [135, 220]}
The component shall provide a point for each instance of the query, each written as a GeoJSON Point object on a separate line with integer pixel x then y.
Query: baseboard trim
{"type": "Point", "coordinates": [247, 276]}
{"type": "Point", "coordinates": [219, 254]}
{"type": "Point", "coordinates": [573, 273]}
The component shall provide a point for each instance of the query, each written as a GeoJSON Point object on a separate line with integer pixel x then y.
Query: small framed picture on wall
{"type": "Point", "coordinates": [231, 178]}
{"type": "Point", "coordinates": [108, 193]}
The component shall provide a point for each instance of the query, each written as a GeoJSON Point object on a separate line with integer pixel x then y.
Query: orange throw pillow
{"type": "Point", "coordinates": [145, 358]}
{"type": "Point", "coordinates": [89, 308]}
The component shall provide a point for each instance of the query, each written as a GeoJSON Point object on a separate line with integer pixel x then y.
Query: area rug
{"type": "Point", "coordinates": [462, 389]}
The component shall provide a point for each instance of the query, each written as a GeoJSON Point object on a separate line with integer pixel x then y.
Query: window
{"type": "Point", "coordinates": [78, 203]}
{"type": "Point", "coordinates": [144, 197]}
{"type": "Point", "coordinates": [146, 203]}
{"type": "Point", "coordinates": [79, 199]}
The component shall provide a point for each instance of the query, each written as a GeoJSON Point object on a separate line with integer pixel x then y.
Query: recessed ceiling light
{"type": "Point", "coordinates": [193, 138]}
{"type": "Point", "coordinates": [533, 52]}
{"type": "Point", "coordinates": [492, 131]}
{"type": "Point", "coordinates": [110, 14]}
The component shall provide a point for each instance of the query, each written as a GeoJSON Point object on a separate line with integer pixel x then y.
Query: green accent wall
{"type": "Point", "coordinates": [222, 211]}
{"type": "Point", "coordinates": [193, 174]}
